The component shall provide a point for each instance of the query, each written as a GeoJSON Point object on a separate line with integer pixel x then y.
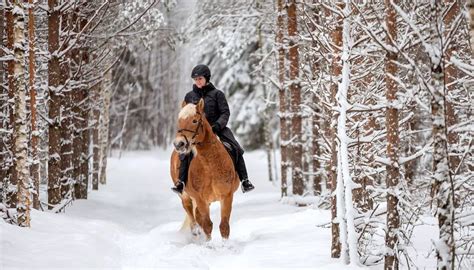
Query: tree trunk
{"type": "Point", "coordinates": [316, 151]}
{"type": "Point", "coordinates": [21, 127]}
{"type": "Point", "coordinates": [95, 103]}
{"type": "Point", "coordinates": [77, 139]}
{"type": "Point", "coordinates": [471, 28]}
{"type": "Point", "coordinates": [284, 130]}
{"type": "Point", "coordinates": [450, 77]}
{"type": "Point", "coordinates": [54, 104]}
{"type": "Point", "coordinates": [34, 170]}
{"type": "Point", "coordinates": [85, 149]}
{"type": "Point", "coordinates": [67, 181]}
{"type": "Point", "coordinates": [3, 112]}
{"type": "Point", "coordinates": [12, 184]}
{"type": "Point", "coordinates": [295, 92]}
{"type": "Point", "coordinates": [345, 183]}
{"type": "Point", "coordinates": [336, 39]}
{"type": "Point", "coordinates": [104, 131]}
{"type": "Point", "coordinates": [85, 132]}
{"type": "Point", "coordinates": [443, 186]}
{"type": "Point", "coordinates": [80, 144]}
{"type": "Point", "coordinates": [80, 111]}
{"type": "Point", "coordinates": [393, 174]}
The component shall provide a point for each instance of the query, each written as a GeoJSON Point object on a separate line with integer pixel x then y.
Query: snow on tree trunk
{"type": "Point", "coordinates": [3, 118]}
{"type": "Point", "coordinates": [34, 169]}
{"type": "Point", "coordinates": [85, 131]}
{"type": "Point", "coordinates": [443, 186]}
{"type": "Point", "coordinates": [451, 75]}
{"type": "Point", "coordinates": [314, 102]}
{"type": "Point", "coordinates": [54, 104]}
{"type": "Point", "coordinates": [284, 129]}
{"type": "Point", "coordinates": [316, 151]}
{"type": "Point", "coordinates": [81, 110]}
{"type": "Point", "coordinates": [104, 127]}
{"type": "Point", "coordinates": [11, 188]}
{"type": "Point", "coordinates": [95, 135]}
{"type": "Point", "coordinates": [295, 92]}
{"type": "Point", "coordinates": [21, 126]}
{"type": "Point", "coordinates": [78, 126]}
{"type": "Point", "coordinates": [393, 174]}
{"type": "Point", "coordinates": [81, 145]}
{"type": "Point", "coordinates": [66, 181]}
{"type": "Point", "coordinates": [336, 70]}
{"type": "Point", "coordinates": [345, 185]}
{"type": "Point", "coordinates": [471, 24]}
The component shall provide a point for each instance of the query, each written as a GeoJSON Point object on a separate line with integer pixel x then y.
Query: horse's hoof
{"type": "Point", "coordinates": [196, 231]}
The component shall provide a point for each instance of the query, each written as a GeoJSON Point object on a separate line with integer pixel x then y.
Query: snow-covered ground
{"type": "Point", "coordinates": [133, 222]}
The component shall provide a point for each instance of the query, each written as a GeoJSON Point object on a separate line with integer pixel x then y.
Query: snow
{"type": "Point", "coordinates": [133, 222]}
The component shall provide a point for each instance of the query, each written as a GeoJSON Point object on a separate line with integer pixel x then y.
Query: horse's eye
{"type": "Point", "coordinates": [195, 121]}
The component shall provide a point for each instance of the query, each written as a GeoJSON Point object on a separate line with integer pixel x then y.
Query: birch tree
{"type": "Point", "coordinates": [443, 184]}
{"type": "Point", "coordinates": [21, 128]}
{"type": "Point", "coordinates": [345, 185]}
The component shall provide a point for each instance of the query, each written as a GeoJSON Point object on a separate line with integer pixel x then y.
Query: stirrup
{"type": "Point", "coordinates": [179, 187]}
{"type": "Point", "coordinates": [247, 187]}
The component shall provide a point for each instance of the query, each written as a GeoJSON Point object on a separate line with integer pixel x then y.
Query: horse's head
{"type": "Point", "coordinates": [191, 127]}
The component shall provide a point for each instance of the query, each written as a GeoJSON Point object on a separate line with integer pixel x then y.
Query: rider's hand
{"type": "Point", "coordinates": [216, 128]}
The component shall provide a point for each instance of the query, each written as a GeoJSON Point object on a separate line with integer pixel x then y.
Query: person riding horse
{"type": "Point", "coordinates": [217, 113]}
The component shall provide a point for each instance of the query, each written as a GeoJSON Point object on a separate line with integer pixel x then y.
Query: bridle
{"type": "Point", "coordinates": [194, 132]}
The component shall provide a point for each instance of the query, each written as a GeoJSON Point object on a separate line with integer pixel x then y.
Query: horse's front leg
{"type": "Point", "coordinates": [226, 209]}
{"type": "Point", "coordinates": [188, 207]}
{"type": "Point", "coordinates": [203, 217]}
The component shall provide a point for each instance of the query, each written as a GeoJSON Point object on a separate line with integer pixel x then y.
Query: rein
{"type": "Point", "coordinates": [194, 132]}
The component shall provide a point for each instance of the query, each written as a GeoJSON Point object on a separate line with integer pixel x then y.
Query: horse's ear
{"type": "Point", "coordinates": [200, 105]}
{"type": "Point", "coordinates": [183, 104]}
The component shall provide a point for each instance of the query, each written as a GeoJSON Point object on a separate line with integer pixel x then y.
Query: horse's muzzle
{"type": "Point", "coordinates": [180, 146]}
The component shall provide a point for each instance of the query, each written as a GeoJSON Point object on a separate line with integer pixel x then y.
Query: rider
{"type": "Point", "coordinates": [217, 113]}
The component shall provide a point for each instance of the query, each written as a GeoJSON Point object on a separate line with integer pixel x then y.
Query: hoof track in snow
{"type": "Point", "coordinates": [224, 246]}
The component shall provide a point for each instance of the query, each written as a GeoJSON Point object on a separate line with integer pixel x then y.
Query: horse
{"type": "Point", "coordinates": [211, 175]}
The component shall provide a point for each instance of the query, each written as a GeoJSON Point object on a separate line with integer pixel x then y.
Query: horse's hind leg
{"type": "Point", "coordinates": [203, 217]}
{"type": "Point", "coordinates": [226, 209]}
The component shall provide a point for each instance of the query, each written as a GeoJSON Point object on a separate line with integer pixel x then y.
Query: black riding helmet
{"type": "Point", "coordinates": [201, 70]}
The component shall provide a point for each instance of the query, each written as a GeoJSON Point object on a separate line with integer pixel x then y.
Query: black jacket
{"type": "Point", "coordinates": [216, 110]}
{"type": "Point", "coordinates": [215, 104]}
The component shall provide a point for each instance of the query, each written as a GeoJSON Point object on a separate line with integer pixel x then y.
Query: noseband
{"type": "Point", "coordinates": [194, 132]}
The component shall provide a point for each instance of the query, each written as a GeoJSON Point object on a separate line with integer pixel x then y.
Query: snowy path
{"type": "Point", "coordinates": [133, 222]}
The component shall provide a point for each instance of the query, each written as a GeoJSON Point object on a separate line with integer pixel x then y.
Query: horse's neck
{"type": "Point", "coordinates": [210, 140]}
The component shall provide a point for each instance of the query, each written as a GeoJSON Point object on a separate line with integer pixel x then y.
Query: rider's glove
{"type": "Point", "coordinates": [216, 128]}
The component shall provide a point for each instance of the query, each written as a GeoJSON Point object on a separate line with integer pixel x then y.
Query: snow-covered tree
{"type": "Point", "coordinates": [20, 133]}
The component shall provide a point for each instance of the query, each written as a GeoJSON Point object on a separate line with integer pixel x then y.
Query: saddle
{"type": "Point", "coordinates": [231, 150]}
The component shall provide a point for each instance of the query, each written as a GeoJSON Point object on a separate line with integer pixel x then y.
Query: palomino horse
{"type": "Point", "coordinates": [211, 176]}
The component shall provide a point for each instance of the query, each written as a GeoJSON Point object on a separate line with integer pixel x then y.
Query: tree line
{"type": "Point", "coordinates": [375, 111]}
{"type": "Point", "coordinates": [58, 62]}
{"type": "Point", "coordinates": [363, 107]}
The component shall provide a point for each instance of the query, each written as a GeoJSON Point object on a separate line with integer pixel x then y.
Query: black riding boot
{"type": "Point", "coordinates": [185, 160]}
{"type": "Point", "coordinates": [241, 169]}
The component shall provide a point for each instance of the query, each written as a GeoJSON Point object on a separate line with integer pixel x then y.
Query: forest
{"type": "Point", "coordinates": [362, 109]}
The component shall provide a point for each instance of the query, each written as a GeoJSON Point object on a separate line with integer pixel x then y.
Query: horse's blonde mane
{"type": "Point", "coordinates": [187, 111]}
